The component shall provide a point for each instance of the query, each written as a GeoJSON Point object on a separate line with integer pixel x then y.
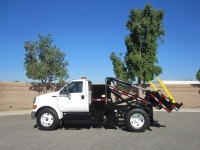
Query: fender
{"type": "Point", "coordinates": [52, 105]}
{"type": "Point", "coordinates": [148, 111]}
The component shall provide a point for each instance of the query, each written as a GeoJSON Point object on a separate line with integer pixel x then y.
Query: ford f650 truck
{"type": "Point", "coordinates": [80, 100]}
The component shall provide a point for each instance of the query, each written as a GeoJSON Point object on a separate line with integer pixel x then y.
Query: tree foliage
{"type": "Point", "coordinates": [198, 75]}
{"type": "Point", "coordinates": [44, 62]}
{"type": "Point", "coordinates": [140, 61]}
{"type": "Point", "coordinates": [119, 68]}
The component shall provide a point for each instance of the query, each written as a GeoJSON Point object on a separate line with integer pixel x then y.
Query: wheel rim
{"type": "Point", "coordinates": [137, 120]}
{"type": "Point", "coordinates": [47, 119]}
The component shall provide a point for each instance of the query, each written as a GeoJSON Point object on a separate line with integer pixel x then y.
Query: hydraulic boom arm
{"type": "Point", "coordinates": [152, 98]}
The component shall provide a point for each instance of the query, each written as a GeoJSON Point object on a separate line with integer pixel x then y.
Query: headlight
{"type": "Point", "coordinates": [34, 100]}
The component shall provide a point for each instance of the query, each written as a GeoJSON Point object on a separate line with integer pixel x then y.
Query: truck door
{"type": "Point", "coordinates": [74, 99]}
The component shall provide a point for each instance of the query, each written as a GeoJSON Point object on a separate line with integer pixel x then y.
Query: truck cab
{"type": "Point", "coordinates": [75, 97]}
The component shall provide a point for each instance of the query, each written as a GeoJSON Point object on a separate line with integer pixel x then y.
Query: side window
{"type": "Point", "coordinates": [75, 87]}
{"type": "Point", "coordinates": [63, 92]}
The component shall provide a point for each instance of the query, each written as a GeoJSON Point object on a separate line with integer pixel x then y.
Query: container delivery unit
{"type": "Point", "coordinates": [81, 101]}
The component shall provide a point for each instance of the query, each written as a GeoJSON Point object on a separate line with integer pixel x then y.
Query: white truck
{"type": "Point", "coordinates": [80, 100]}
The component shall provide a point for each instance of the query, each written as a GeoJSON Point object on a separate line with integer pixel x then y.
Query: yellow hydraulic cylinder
{"type": "Point", "coordinates": [166, 90]}
{"type": "Point", "coordinates": [153, 86]}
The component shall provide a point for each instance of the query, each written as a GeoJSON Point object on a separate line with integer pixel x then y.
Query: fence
{"type": "Point", "coordinates": [20, 95]}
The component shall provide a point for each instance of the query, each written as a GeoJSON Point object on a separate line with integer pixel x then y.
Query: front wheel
{"type": "Point", "coordinates": [47, 119]}
{"type": "Point", "coordinates": [137, 120]}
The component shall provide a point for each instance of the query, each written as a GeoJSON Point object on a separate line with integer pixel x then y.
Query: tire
{"type": "Point", "coordinates": [137, 120]}
{"type": "Point", "coordinates": [47, 119]}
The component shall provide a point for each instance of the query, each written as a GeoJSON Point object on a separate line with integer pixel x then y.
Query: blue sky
{"type": "Point", "coordinates": [87, 31]}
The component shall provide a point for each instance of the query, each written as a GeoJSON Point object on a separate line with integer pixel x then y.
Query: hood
{"type": "Point", "coordinates": [46, 97]}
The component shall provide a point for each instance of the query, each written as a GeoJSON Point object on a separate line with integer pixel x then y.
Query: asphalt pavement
{"type": "Point", "coordinates": [177, 131]}
{"type": "Point", "coordinates": [23, 112]}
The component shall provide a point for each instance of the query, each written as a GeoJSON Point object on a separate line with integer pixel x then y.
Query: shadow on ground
{"type": "Point", "coordinates": [97, 125]}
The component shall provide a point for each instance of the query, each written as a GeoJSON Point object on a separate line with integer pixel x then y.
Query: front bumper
{"type": "Point", "coordinates": [33, 115]}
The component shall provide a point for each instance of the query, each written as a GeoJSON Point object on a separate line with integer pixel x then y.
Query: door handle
{"type": "Point", "coordinates": [82, 96]}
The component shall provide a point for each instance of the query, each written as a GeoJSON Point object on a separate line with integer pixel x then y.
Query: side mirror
{"type": "Point", "coordinates": [64, 92]}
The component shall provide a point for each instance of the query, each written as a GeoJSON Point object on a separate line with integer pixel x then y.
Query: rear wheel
{"type": "Point", "coordinates": [137, 120]}
{"type": "Point", "coordinates": [47, 119]}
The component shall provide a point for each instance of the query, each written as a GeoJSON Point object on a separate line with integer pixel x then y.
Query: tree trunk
{"type": "Point", "coordinates": [44, 87]}
{"type": "Point", "coordinates": [139, 90]}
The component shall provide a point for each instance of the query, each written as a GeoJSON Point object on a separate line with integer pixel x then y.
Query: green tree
{"type": "Point", "coordinates": [62, 82]}
{"type": "Point", "coordinates": [198, 75]}
{"type": "Point", "coordinates": [44, 62]}
{"type": "Point", "coordinates": [119, 68]}
{"type": "Point", "coordinates": [140, 61]}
